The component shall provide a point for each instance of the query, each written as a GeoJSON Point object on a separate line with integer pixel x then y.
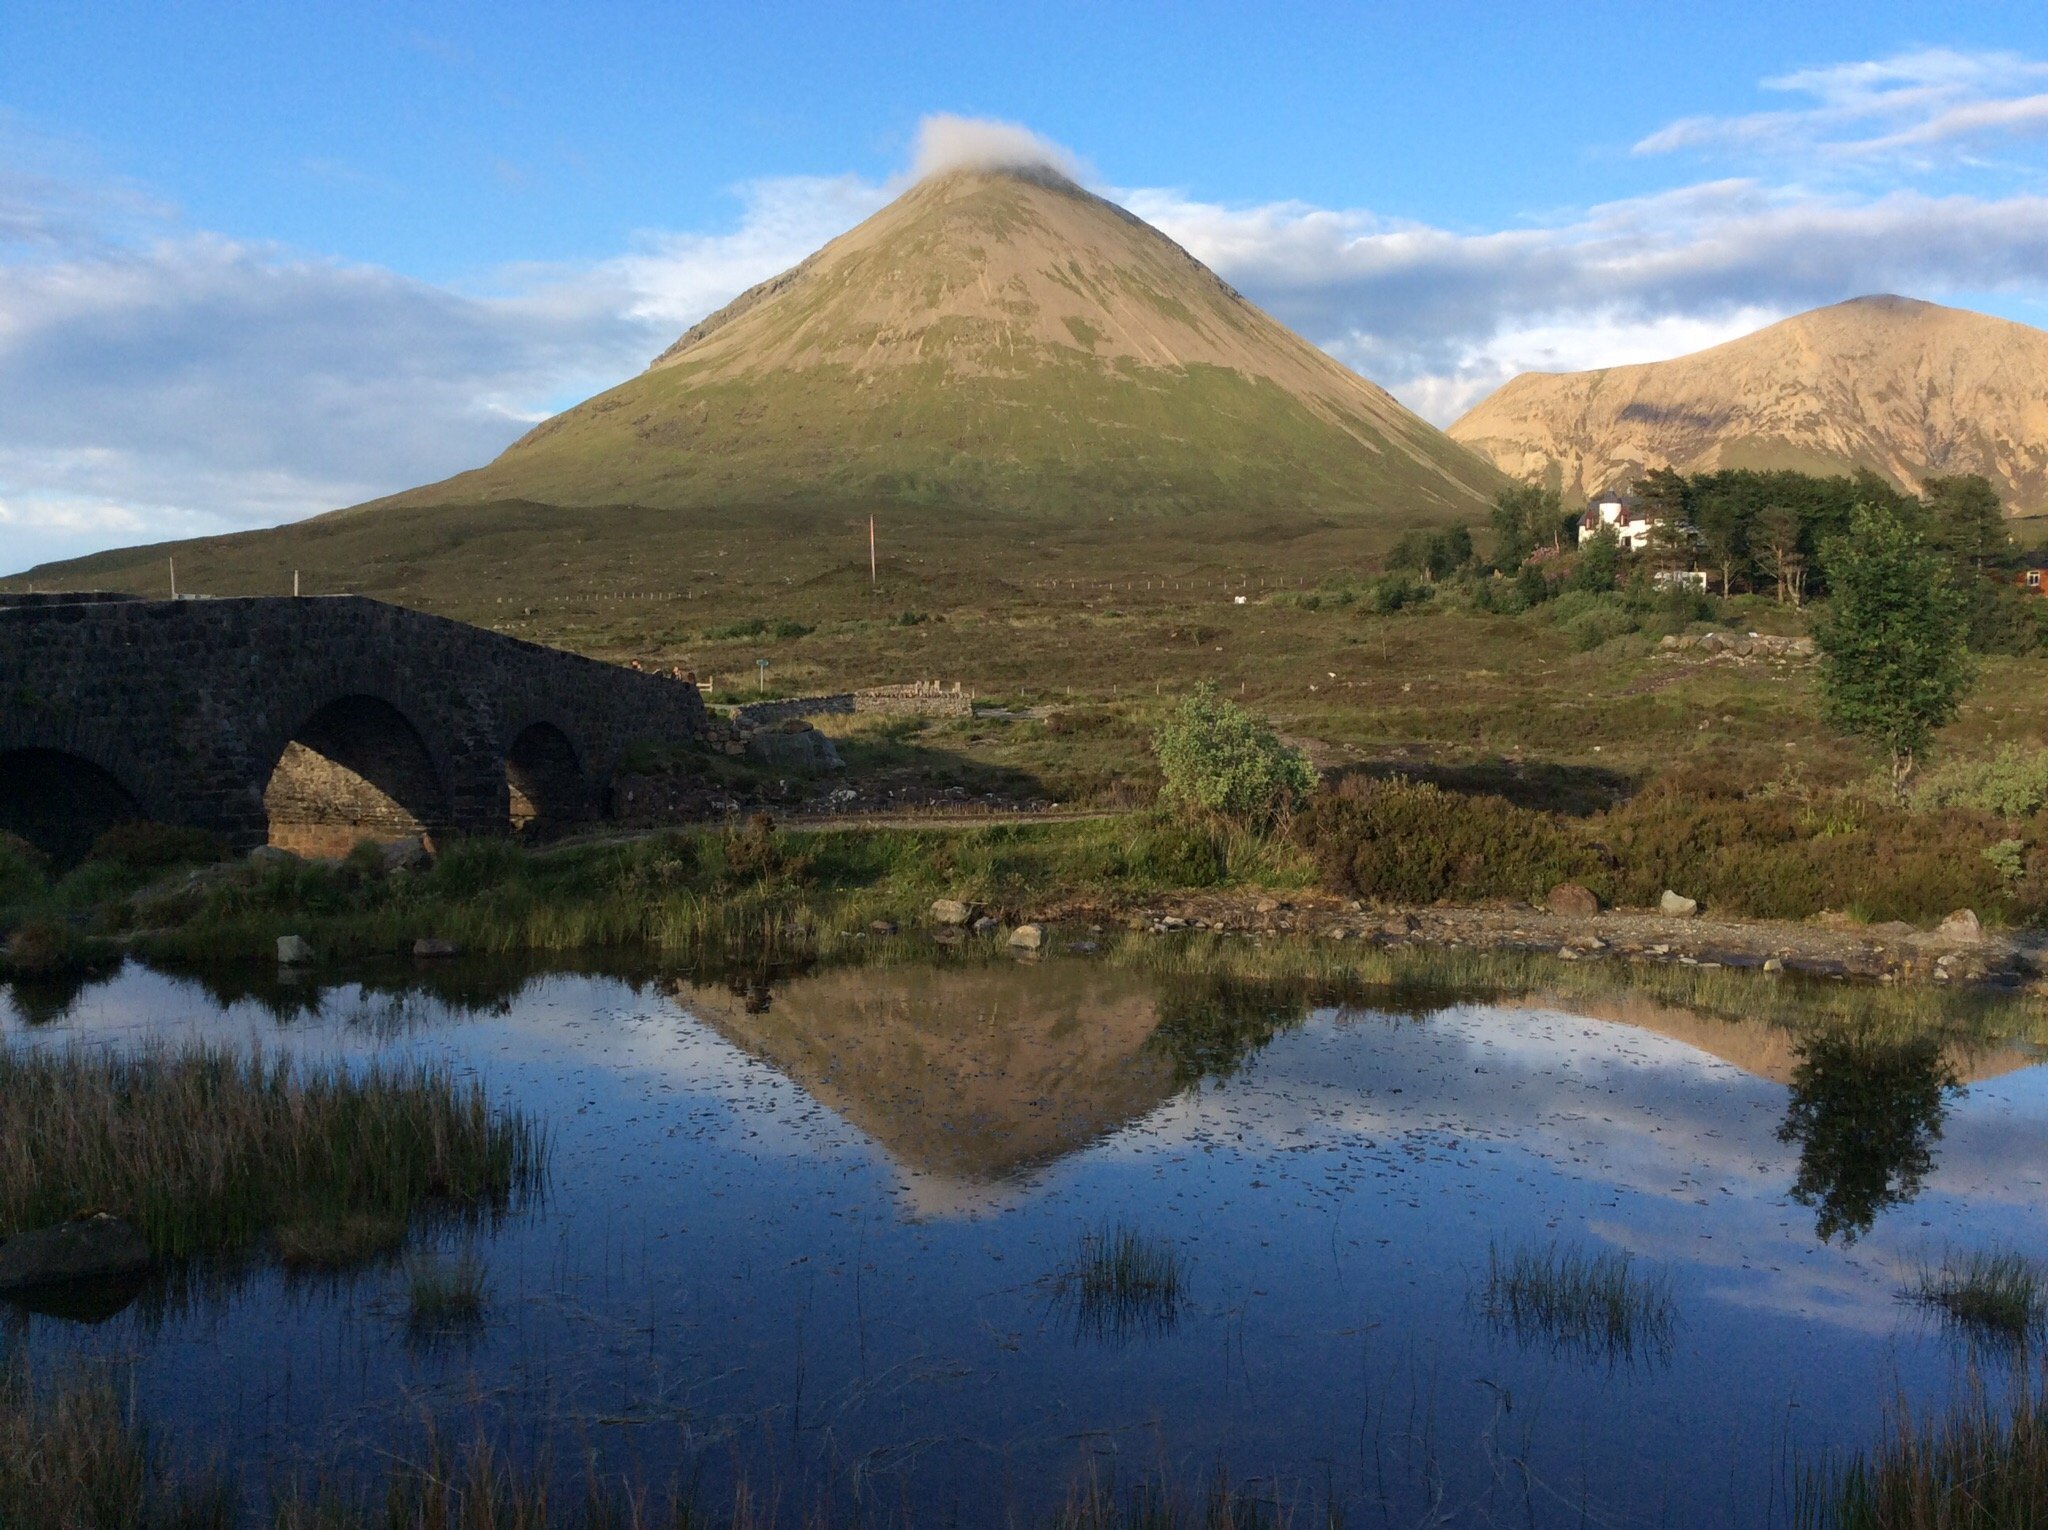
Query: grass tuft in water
{"type": "Point", "coordinates": [1981, 1464]}
{"type": "Point", "coordinates": [1153, 1506]}
{"type": "Point", "coordinates": [339, 1243]}
{"type": "Point", "coordinates": [1594, 1304]}
{"type": "Point", "coordinates": [1122, 1285]}
{"type": "Point", "coordinates": [207, 1150]}
{"type": "Point", "coordinates": [444, 1296]}
{"type": "Point", "coordinates": [1997, 1294]}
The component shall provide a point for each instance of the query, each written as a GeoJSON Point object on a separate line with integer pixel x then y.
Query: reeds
{"type": "Point", "coordinates": [444, 1296]}
{"type": "Point", "coordinates": [1597, 1305]}
{"type": "Point", "coordinates": [71, 1459]}
{"type": "Point", "coordinates": [1122, 1285]}
{"type": "Point", "coordinates": [207, 1150]}
{"type": "Point", "coordinates": [1974, 1466]}
{"type": "Point", "coordinates": [1999, 1295]}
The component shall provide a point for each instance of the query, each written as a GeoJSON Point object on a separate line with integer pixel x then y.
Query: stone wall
{"type": "Point", "coordinates": [920, 698]}
{"type": "Point", "coordinates": [189, 705]}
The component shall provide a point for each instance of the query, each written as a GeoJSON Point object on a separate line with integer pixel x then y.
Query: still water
{"type": "Point", "coordinates": [812, 1232]}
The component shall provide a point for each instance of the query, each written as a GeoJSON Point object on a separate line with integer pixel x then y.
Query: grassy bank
{"type": "Point", "coordinates": [206, 1150]}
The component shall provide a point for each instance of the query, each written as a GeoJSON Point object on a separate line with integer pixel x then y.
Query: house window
{"type": "Point", "coordinates": [2033, 579]}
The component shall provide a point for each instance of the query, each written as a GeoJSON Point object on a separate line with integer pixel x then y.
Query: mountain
{"type": "Point", "coordinates": [1000, 341]}
{"type": "Point", "coordinates": [1905, 388]}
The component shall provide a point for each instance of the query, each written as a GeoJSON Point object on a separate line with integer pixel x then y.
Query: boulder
{"type": "Point", "coordinates": [1027, 937]}
{"type": "Point", "coordinates": [294, 950]}
{"type": "Point", "coordinates": [1677, 906]}
{"type": "Point", "coordinates": [952, 911]}
{"type": "Point", "coordinates": [409, 854]}
{"type": "Point", "coordinates": [986, 925]}
{"type": "Point", "coordinates": [1570, 898]}
{"type": "Point", "coordinates": [1962, 928]}
{"type": "Point", "coordinates": [90, 1247]}
{"type": "Point", "coordinates": [428, 945]}
{"type": "Point", "coordinates": [805, 751]}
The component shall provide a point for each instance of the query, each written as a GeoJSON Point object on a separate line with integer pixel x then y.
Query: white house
{"type": "Point", "coordinates": [1631, 525]}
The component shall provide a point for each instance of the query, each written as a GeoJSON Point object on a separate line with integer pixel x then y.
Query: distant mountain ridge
{"type": "Point", "coordinates": [1904, 388]}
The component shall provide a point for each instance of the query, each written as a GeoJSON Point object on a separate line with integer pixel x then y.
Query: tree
{"type": "Point", "coordinates": [1599, 561]}
{"type": "Point", "coordinates": [1776, 538]}
{"type": "Point", "coordinates": [1894, 665]}
{"type": "Point", "coordinates": [1724, 526]}
{"type": "Point", "coordinates": [1673, 543]}
{"type": "Point", "coordinates": [1969, 518]}
{"type": "Point", "coordinates": [1866, 1115]}
{"type": "Point", "coordinates": [1220, 761]}
{"type": "Point", "coordinates": [1524, 518]}
{"type": "Point", "coordinates": [1664, 495]}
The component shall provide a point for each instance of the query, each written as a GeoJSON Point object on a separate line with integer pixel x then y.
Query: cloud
{"type": "Point", "coordinates": [946, 142]}
{"type": "Point", "coordinates": [1926, 100]}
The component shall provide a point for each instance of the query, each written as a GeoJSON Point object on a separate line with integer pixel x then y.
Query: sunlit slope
{"type": "Point", "coordinates": [997, 341]}
{"type": "Point", "coordinates": [1904, 388]}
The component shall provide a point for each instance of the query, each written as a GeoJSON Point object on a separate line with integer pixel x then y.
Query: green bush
{"type": "Point", "coordinates": [24, 871]}
{"type": "Point", "coordinates": [2012, 783]}
{"type": "Point", "coordinates": [153, 846]}
{"type": "Point", "coordinates": [1220, 761]}
{"type": "Point", "coordinates": [1172, 853]}
{"type": "Point", "coordinates": [1405, 842]}
{"type": "Point", "coordinates": [1391, 592]}
{"type": "Point", "coordinates": [1592, 618]}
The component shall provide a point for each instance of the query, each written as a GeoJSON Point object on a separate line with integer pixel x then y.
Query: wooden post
{"type": "Point", "coordinates": [871, 552]}
{"type": "Point", "coordinates": [174, 578]}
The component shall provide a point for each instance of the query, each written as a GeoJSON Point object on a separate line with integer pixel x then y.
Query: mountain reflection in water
{"type": "Point", "coordinates": [831, 1225]}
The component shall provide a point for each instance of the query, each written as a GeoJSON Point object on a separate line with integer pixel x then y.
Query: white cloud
{"type": "Point", "coordinates": [946, 142]}
{"type": "Point", "coordinates": [1923, 100]}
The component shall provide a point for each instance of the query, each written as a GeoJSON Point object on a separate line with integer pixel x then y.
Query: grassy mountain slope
{"type": "Point", "coordinates": [994, 361]}
{"type": "Point", "coordinates": [1898, 386]}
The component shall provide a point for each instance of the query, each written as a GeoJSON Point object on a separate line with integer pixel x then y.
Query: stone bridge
{"type": "Point", "coordinates": [309, 723]}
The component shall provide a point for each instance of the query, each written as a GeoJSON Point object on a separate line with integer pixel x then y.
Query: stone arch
{"type": "Point", "coordinates": [61, 802]}
{"type": "Point", "coordinates": [545, 782]}
{"type": "Point", "coordinates": [355, 769]}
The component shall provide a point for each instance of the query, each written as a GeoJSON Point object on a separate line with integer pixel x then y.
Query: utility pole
{"type": "Point", "coordinates": [174, 578]}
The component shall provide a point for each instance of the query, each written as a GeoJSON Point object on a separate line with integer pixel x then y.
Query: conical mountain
{"type": "Point", "coordinates": [1904, 388]}
{"type": "Point", "coordinates": [1001, 341]}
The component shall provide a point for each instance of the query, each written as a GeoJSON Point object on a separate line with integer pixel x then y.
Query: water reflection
{"type": "Point", "coordinates": [1865, 1113]}
{"type": "Point", "coordinates": [847, 1225]}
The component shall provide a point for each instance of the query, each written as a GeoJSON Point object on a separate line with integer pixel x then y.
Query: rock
{"type": "Point", "coordinates": [1028, 937]}
{"type": "Point", "coordinates": [1267, 905]}
{"type": "Point", "coordinates": [1570, 898]}
{"type": "Point", "coordinates": [805, 751]}
{"type": "Point", "coordinates": [272, 855]}
{"type": "Point", "coordinates": [951, 911]}
{"type": "Point", "coordinates": [86, 1248]}
{"type": "Point", "coordinates": [408, 854]}
{"type": "Point", "coordinates": [1772, 964]}
{"type": "Point", "coordinates": [294, 950]}
{"type": "Point", "coordinates": [1962, 928]}
{"type": "Point", "coordinates": [882, 927]}
{"type": "Point", "coordinates": [1084, 947]}
{"type": "Point", "coordinates": [986, 925]}
{"type": "Point", "coordinates": [1677, 906]}
{"type": "Point", "coordinates": [1401, 924]}
{"type": "Point", "coordinates": [1338, 932]}
{"type": "Point", "coordinates": [1834, 919]}
{"type": "Point", "coordinates": [428, 945]}
{"type": "Point", "coordinates": [1894, 929]}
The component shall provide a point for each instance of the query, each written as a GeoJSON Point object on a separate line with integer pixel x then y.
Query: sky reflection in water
{"type": "Point", "coordinates": [823, 1234]}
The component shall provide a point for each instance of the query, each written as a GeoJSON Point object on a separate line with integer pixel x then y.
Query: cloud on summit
{"type": "Point", "coordinates": [156, 381]}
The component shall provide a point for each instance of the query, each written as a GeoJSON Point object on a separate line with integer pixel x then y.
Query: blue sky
{"type": "Point", "coordinates": [259, 261]}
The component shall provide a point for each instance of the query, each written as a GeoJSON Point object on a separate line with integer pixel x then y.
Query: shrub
{"type": "Point", "coordinates": [1404, 842]}
{"type": "Point", "coordinates": [24, 870]}
{"type": "Point", "coordinates": [2012, 783]}
{"type": "Point", "coordinates": [153, 846]}
{"type": "Point", "coordinates": [44, 948]}
{"type": "Point", "coordinates": [1390, 592]}
{"type": "Point", "coordinates": [1220, 761]}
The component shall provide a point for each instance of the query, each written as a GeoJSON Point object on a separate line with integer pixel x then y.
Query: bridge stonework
{"type": "Point", "coordinates": [190, 705]}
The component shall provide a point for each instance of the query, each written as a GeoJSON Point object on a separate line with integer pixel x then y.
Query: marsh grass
{"type": "Point", "coordinates": [444, 1297]}
{"type": "Point", "coordinates": [339, 1243]}
{"type": "Point", "coordinates": [1597, 1305]}
{"type": "Point", "coordinates": [72, 1458]}
{"type": "Point", "coordinates": [1979, 1464]}
{"type": "Point", "coordinates": [1157, 1506]}
{"type": "Point", "coordinates": [1122, 1285]}
{"type": "Point", "coordinates": [207, 1150]}
{"type": "Point", "coordinates": [1999, 1295]}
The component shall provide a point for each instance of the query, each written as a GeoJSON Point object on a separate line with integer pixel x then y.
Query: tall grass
{"type": "Point", "coordinates": [1997, 1294]}
{"type": "Point", "coordinates": [443, 1296]}
{"type": "Point", "coordinates": [1597, 1305]}
{"type": "Point", "coordinates": [206, 1149]}
{"type": "Point", "coordinates": [71, 1458]}
{"type": "Point", "coordinates": [1977, 1465]}
{"type": "Point", "coordinates": [1122, 1285]}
